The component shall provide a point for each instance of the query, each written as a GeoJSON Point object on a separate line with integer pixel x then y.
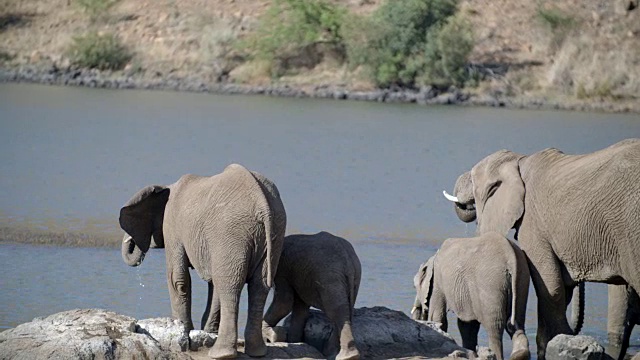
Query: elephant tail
{"type": "Point", "coordinates": [269, 238]}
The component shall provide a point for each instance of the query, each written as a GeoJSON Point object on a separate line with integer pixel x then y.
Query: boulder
{"type": "Point", "coordinates": [80, 334]}
{"type": "Point", "coordinates": [169, 333]}
{"type": "Point", "coordinates": [382, 333]}
{"type": "Point", "coordinates": [201, 339]}
{"type": "Point", "coordinates": [579, 347]}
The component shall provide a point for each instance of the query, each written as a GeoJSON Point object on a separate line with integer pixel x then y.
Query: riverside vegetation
{"type": "Point", "coordinates": [532, 54]}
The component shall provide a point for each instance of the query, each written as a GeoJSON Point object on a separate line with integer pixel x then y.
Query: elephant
{"type": "Point", "coordinates": [485, 281]}
{"type": "Point", "coordinates": [624, 314]}
{"type": "Point", "coordinates": [320, 270]}
{"type": "Point", "coordinates": [228, 227]}
{"type": "Point", "coordinates": [577, 218]}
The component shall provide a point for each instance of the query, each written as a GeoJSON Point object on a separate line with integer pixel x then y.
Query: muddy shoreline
{"type": "Point", "coordinates": [69, 76]}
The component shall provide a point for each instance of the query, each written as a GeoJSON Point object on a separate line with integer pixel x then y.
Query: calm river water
{"type": "Point", "coordinates": [372, 173]}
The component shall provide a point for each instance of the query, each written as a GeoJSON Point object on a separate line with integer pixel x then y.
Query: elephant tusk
{"type": "Point", "coordinates": [127, 239]}
{"type": "Point", "coordinates": [449, 197]}
{"type": "Point", "coordinates": [413, 309]}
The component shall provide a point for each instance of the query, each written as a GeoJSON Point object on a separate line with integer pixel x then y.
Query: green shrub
{"type": "Point", "coordinates": [290, 25]}
{"type": "Point", "coordinates": [446, 53]}
{"type": "Point", "coordinates": [96, 8]}
{"type": "Point", "coordinates": [391, 42]}
{"type": "Point", "coordinates": [101, 51]}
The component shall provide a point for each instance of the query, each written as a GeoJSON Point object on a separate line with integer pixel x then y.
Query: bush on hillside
{"type": "Point", "coordinates": [100, 51]}
{"type": "Point", "coordinates": [96, 8]}
{"type": "Point", "coordinates": [289, 26]}
{"type": "Point", "coordinates": [392, 41]}
{"type": "Point", "coordinates": [446, 53]}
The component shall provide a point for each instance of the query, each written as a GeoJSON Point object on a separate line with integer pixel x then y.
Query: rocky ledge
{"type": "Point", "coordinates": [54, 74]}
{"type": "Point", "coordinates": [380, 333]}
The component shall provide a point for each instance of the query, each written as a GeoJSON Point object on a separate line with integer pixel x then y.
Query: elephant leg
{"type": "Point", "coordinates": [520, 346]}
{"type": "Point", "coordinates": [228, 290]}
{"type": "Point", "coordinates": [299, 316]}
{"type": "Point", "coordinates": [438, 309]}
{"type": "Point", "coordinates": [279, 308]}
{"type": "Point", "coordinates": [552, 305]}
{"type": "Point", "coordinates": [494, 332]}
{"type": "Point", "coordinates": [628, 327]}
{"type": "Point", "coordinates": [469, 333]}
{"type": "Point", "coordinates": [211, 317]}
{"type": "Point", "coordinates": [254, 343]}
{"type": "Point", "coordinates": [616, 316]}
{"type": "Point", "coordinates": [179, 283]}
{"type": "Point", "coordinates": [338, 309]}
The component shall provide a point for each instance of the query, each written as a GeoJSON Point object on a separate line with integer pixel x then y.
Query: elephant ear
{"type": "Point", "coordinates": [142, 216]}
{"type": "Point", "coordinates": [499, 192]}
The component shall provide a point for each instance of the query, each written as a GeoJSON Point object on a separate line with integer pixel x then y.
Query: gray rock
{"type": "Point", "coordinates": [580, 347]}
{"type": "Point", "coordinates": [80, 334]}
{"type": "Point", "coordinates": [99, 334]}
{"type": "Point", "coordinates": [169, 333]}
{"type": "Point", "coordinates": [281, 350]}
{"type": "Point", "coordinates": [201, 339]}
{"type": "Point", "coordinates": [381, 333]}
{"type": "Point", "coordinates": [485, 353]}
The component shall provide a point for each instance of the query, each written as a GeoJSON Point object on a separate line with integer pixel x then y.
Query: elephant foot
{"type": "Point", "coordinates": [522, 354]}
{"type": "Point", "coordinates": [348, 354]}
{"type": "Point", "coordinates": [254, 349]}
{"type": "Point", "coordinates": [274, 334]}
{"type": "Point", "coordinates": [222, 353]}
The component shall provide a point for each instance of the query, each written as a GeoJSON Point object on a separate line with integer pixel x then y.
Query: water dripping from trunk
{"type": "Point", "coordinates": [467, 231]}
{"type": "Point", "coordinates": [141, 289]}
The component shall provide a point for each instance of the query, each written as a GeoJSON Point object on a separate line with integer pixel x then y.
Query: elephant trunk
{"type": "Point", "coordinates": [465, 202]}
{"type": "Point", "coordinates": [417, 312]}
{"type": "Point", "coordinates": [131, 253]}
{"type": "Point", "coordinates": [577, 309]}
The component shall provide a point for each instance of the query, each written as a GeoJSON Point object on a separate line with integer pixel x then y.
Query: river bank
{"type": "Point", "coordinates": [54, 74]}
{"type": "Point", "coordinates": [528, 55]}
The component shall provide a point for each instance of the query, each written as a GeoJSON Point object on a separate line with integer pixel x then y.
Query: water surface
{"type": "Point", "coordinates": [372, 173]}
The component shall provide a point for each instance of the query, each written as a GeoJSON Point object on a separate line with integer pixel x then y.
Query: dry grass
{"type": "Point", "coordinates": [589, 69]}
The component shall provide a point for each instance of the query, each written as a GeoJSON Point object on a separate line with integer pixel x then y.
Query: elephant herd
{"type": "Point", "coordinates": [576, 220]}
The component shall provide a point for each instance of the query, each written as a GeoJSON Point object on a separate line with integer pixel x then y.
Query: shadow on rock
{"type": "Point", "coordinates": [382, 333]}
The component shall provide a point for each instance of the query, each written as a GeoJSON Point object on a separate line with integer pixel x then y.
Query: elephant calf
{"type": "Point", "coordinates": [484, 280]}
{"type": "Point", "coordinates": [322, 271]}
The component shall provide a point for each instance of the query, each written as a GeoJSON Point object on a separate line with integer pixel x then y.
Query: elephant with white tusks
{"type": "Point", "coordinates": [484, 281]}
{"type": "Point", "coordinates": [229, 227]}
{"type": "Point", "coordinates": [577, 218]}
{"type": "Point", "coordinates": [320, 270]}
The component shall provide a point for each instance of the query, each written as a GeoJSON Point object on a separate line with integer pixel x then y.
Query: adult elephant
{"type": "Point", "coordinates": [577, 217]}
{"type": "Point", "coordinates": [229, 227]}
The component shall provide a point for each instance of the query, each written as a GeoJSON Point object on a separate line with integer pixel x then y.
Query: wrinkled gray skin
{"type": "Point", "coordinates": [229, 228]}
{"type": "Point", "coordinates": [483, 280]}
{"type": "Point", "coordinates": [323, 271]}
{"type": "Point", "coordinates": [624, 314]}
{"type": "Point", "coordinates": [577, 217]}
